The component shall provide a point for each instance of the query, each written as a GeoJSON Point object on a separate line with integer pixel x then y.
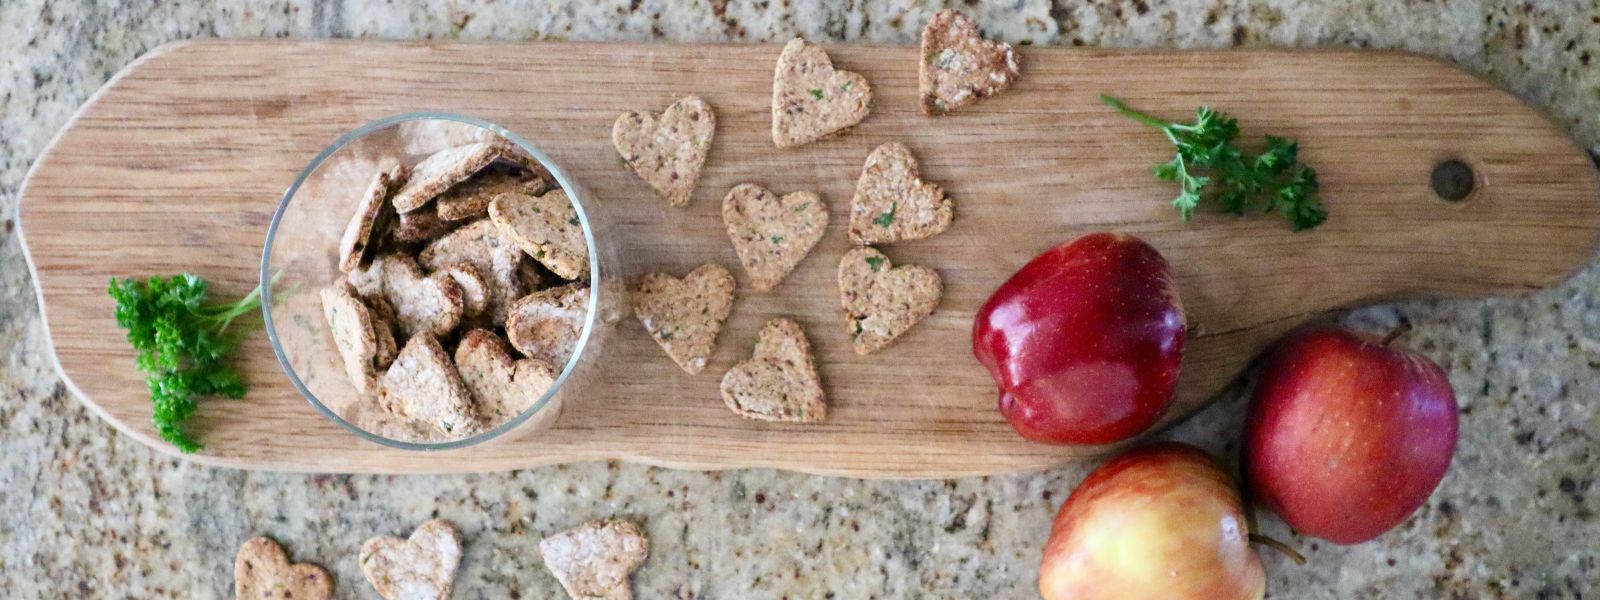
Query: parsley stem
{"type": "Point", "coordinates": [1133, 114]}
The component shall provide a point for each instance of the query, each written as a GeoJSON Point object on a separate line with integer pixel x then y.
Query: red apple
{"type": "Point", "coordinates": [1162, 521]}
{"type": "Point", "coordinates": [1347, 436]}
{"type": "Point", "coordinates": [1084, 341]}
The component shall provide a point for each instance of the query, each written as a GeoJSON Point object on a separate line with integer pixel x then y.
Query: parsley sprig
{"type": "Point", "coordinates": [1209, 165]}
{"type": "Point", "coordinates": [182, 343]}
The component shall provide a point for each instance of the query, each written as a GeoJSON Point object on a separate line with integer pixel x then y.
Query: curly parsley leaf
{"type": "Point", "coordinates": [182, 343]}
{"type": "Point", "coordinates": [1208, 164]}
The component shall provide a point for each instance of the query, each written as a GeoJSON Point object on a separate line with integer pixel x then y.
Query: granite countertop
{"type": "Point", "coordinates": [86, 512]}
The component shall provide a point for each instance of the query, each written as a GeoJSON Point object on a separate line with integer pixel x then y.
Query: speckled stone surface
{"type": "Point", "coordinates": [85, 512]}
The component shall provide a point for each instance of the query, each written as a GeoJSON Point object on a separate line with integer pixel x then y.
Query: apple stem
{"type": "Point", "coordinates": [1285, 549]}
{"type": "Point", "coordinates": [1394, 334]}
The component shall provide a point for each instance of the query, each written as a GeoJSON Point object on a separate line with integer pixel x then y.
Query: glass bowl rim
{"type": "Point", "coordinates": [565, 182]}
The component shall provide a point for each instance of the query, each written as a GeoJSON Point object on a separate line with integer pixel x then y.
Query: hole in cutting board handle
{"type": "Point", "coordinates": [1453, 180]}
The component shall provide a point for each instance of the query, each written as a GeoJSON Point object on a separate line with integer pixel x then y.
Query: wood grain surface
{"type": "Point", "coordinates": [178, 164]}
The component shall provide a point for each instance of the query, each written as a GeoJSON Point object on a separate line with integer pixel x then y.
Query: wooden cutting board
{"type": "Point", "coordinates": [178, 164]}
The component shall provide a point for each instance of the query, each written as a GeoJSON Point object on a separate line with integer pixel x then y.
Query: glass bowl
{"type": "Point", "coordinates": [300, 259]}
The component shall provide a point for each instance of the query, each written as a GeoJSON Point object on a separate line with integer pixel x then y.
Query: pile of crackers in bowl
{"type": "Point", "coordinates": [464, 291]}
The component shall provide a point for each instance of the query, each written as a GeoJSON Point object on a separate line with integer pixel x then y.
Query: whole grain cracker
{"type": "Point", "coordinates": [421, 567]}
{"type": "Point", "coordinates": [667, 150]}
{"type": "Point", "coordinates": [372, 215]}
{"type": "Point", "coordinates": [422, 384]}
{"type": "Point", "coordinates": [502, 386]}
{"type": "Point", "coordinates": [780, 382]}
{"type": "Point", "coordinates": [422, 304]}
{"type": "Point", "coordinates": [546, 324]}
{"type": "Point", "coordinates": [882, 301]}
{"type": "Point", "coordinates": [470, 199]}
{"type": "Point", "coordinates": [772, 233]}
{"type": "Point", "coordinates": [261, 570]}
{"type": "Point", "coordinates": [481, 245]}
{"type": "Point", "coordinates": [959, 67]}
{"type": "Point", "coordinates": [811, 99]}
{"type": "Point", "coordinates": [354, 335]}
{"type": "Point", "coordinates": [892, 203]}
{"type": "Point", "coordinates": [443, 169]}
{"type": "Point", "coordinates": [685, 315]}
{"type": "Point", "coordinates": [547, 228]}
{"type": "Point", "coordinates": [593, 561]}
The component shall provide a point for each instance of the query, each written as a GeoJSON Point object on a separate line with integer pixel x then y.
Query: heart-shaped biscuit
{"type": "Point", "coordinates": [481, 245]}
{"type": "Point", "coordinates": [547, 324]}
{"type": "Point", "coordinates": [772, 233]}
{"type": "Point", "coordinates": [547, 228]}
{"type": "Point", "coordinates": [892, 203]}
{"type": "Point", "coordinates": [262, 570]}
{"type": "Point", "coordinates": [780, 382]}
{"type": "Point", "coordinates": [685, 315]}
{"type": "Point", "coordinates": [443, 169]}
{"type": "Point", "coordinates": [667, 150]}
{"type": "Point", "coordinates": [418, 568]}
{"type": "Point", "coordinates": [373, 213]}
{"type": "Point", "coordinates": [423, 385]}
{"type": "Point", "coordinates": [502, 386]}
{"type": "Point", "coordinates": [358, 335]}
{"type": "Point", "coordinates": [959, 67]}
{"type": "Point", "coordinates": [593, 560]}
{"type": "Point", "coordinates": [470, 199]}
{"type": "Point", "coordinates": [422, 304]}
{"type": "Point", "coordinates": [882, 301]}
{"type": "Point", "coordinates": [811, 99]}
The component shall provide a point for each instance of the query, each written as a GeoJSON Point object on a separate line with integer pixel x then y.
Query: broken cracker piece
{"type": "Point", "coordinates": [882, 301]}
{"type": "Point", "coordinates": [780, 382]}
{"type": "Point", "coordinates": [422, 304]}
{"type": "Point", "coordinates": [424, 385]}
{"type": "Point", "coordinates": [441, 170]}
{"type": "Point", "coordinates": [772, 233]}
{"type": "Point", "coordinates": [959, 67]}
{"type": "Point", "coordinates": [481, 245]}
{"type": "Point", "coordinates": [502, 386]}
{"type": "Point", "coordinates": [685, 315]}
{"type": "Point", "coordinates": [667, 150]}
{"type": "Point", "coordinates": [372, 215]}
{"type": "Point", "coordinates": [547, 228]}
{"type": "Point", "coordinates": [811, 99]}
{"type": "Point", "coordinates": [261, 570]}
{"type": "Point", "coordinates": [892, 203]}
{"type": "Point", "coordinates": [421, 567]}
{"type": "Point", "coordinates": [593, 561]}
{"type": "Point", "coordinates": [546, 324]}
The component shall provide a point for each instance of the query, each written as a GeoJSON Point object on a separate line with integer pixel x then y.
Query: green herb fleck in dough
{"type": "Point", "coordinates": [886, 219]}
{"type": "Point", "coordinates": [182, 344]}
{"type": "Point", "coordinates": [816, 93]}
{"type": "Point", "coordinates": [876, 262]}
{"type": "Point", "coordinates": [847, 85]}
{"type": "Point", "coordinates": [777, 239]}
{"type": "Point", "coordinates": [858, 328]}
{"type": "Point", "coordinates": [572, 221]}
{"type": "Point", "coordinates": [802, 208]}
